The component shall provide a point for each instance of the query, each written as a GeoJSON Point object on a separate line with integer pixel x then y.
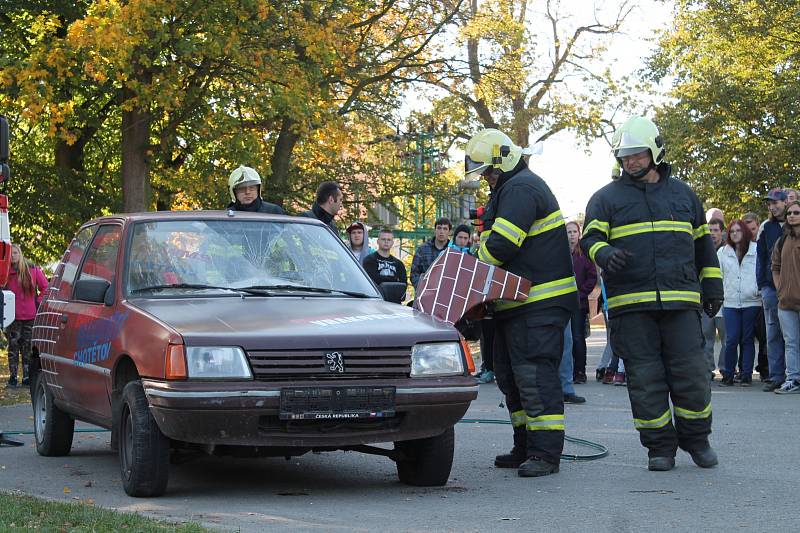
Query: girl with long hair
{"type": "Point", "coordinates": [737, 260]}
{"type": "Point", "coordinates": [28, 284]}
{"type": "Point", "coordinates": [586, 278]}
{"type": "Point", "coordinates": [786, 275]}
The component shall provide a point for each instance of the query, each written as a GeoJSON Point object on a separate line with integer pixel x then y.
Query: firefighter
{"type": "Point", "coordinates": [244, 186]}
{"type": "Point", "coordinates": [647, 231]}
{"type": "Point", "coordinates": [527, 237]}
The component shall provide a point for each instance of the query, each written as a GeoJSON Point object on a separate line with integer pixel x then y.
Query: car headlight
{"type": "Point", "coordinates": [224, 362]}
{"type": "Point", "coordinates": [436, 359]}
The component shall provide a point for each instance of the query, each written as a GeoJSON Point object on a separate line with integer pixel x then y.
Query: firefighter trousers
{"type": "Point", "coordinates": [527, 352]}
{"type": "Point", "coordinates": [664, 360]}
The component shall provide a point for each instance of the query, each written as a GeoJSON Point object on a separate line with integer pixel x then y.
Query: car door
{"type": "Point", "coordinates": [51, 324]}
{"type": "Point", "coordinates": [91, 327]}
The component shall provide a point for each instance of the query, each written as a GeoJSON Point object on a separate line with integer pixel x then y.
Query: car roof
{"type": "Point", "coordinates": [153, 216]}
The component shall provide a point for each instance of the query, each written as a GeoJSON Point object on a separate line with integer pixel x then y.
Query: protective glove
{"type": "Point", "coordinates": [616, 260]}
{"type": "Point", "coordinates": [711, 307]}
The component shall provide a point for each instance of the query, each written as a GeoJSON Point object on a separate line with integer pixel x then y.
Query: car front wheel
{"type": "Point", "coordinates": [426, 462]}
{"type": "Point", "coordinates": [53, 428]}
{"type": "Point", "coordinates": [143, 449]}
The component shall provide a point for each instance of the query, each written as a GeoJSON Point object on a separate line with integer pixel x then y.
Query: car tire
{"type": "Point", "coordinates": [143, 449]}
{"type": "Point", "coordinates": [426, 462]}
{"type": "Point", "coordinates": [53, 428]}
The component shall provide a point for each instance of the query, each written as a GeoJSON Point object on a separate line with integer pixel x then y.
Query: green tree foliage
{"type": "Point", "coordinates": [731, 125]}
{"type": "Point", "coordinates": [529, 68]}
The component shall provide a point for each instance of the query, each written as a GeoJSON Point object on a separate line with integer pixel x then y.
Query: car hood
{"type": "Point", "coordinates": [264, 323]}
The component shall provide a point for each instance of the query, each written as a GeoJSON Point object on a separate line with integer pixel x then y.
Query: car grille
{"type": "Point", "coordinates": [314, 364]}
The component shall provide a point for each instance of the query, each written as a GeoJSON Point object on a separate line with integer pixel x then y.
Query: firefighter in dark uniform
{"type": "Point", "coordinates": [527, 237]}
{"type": "Point", "coordinates": [648, 233]}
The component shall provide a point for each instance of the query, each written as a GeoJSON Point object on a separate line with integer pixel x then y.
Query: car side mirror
{"type": "Point", "coordinates": [92, 290]}
{"type": "Point", "coordinates": [393, 291]}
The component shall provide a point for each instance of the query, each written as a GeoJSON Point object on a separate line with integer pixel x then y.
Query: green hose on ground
{"type": "Point", "coordinates": [602, 450]}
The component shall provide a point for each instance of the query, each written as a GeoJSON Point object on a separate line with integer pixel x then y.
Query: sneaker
{"type": "Point", "coordinates": [599, 373]}
{"type": "Point", "coordinates": [619, 379]}
{"type": "Point", "coordinates": [737, 378]}
{"type": "Point", "coordinates": [574, 398]}
{"type": "Point", "coordinates": [486, 377]}
{"type": "Point", "coordinates": [608, 377]}
{"type": "Point", "coordinates": [790, 387]}
{"type": "Point", "coordinates": [580, 378]}
{"type": "Point", "coordinates": [746, 381]}
{"type": "Point", "coordinates": [770, 386]}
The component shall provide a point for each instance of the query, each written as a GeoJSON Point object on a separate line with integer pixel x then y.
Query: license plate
{"type": "Point", "coordinates": [336, 403]}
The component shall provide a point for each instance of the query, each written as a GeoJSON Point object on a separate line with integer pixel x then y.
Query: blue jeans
{"type": "Point", "coordinates": [775, 346]}
{"type": "Point", "coordinates": [739, 331]}
{"type": "Point", "coordinates": [790, 325]}
{"type": "Point", "coordinates": [565, 368]}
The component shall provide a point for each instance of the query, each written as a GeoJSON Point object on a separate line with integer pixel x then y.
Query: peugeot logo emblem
{"type": "Point", "coordinates": [335, 362]}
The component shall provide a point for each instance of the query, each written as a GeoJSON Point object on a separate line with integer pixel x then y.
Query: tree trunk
{"type": "Point", "coordinates": [70, 157]}
{"type": "Point", "coordinates": [276, 188]}
{"type": "Point", "coordinates": [135, 164]}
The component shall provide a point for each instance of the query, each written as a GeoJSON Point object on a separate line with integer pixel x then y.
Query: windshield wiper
{"type": "Point", "coordinates": [302, 288]}
{"type": "Point", "coordinates": [196, 286]}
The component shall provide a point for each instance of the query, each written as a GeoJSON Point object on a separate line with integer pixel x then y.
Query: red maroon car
{"type": "Point", "coordinates": [238, 333]}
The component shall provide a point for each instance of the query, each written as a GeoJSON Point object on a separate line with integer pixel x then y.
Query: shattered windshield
{"type": "Point", "coordinates": [191, 257]}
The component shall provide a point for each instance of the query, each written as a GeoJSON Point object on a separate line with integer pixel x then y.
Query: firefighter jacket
{"type": "Point", "coordinates": [663, 226]}
{"type": "Point", "coordinates": [527, 237]}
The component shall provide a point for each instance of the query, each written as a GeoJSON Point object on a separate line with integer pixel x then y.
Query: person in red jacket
{"type": "Point", "coordinates": [28, 284]}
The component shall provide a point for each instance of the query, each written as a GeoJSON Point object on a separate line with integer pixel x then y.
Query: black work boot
{"type": "Point", "coordinates": [704, 457]}
{"type": "Point", "coordinates": [661, 464]}
{"type": "Point", "coordinates": [517, 455]}
{"type": "Point", "coordinates": [536, 467]}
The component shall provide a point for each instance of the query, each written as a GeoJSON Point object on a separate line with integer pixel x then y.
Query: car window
{"type": "Point", "coordinates": [238, 254]}
{"type": "Point", "coordinates": [72, 259]}
{"type": "Point", "coordinates": [101, 258]}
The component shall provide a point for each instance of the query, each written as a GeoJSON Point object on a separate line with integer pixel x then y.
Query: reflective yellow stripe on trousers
{"type": "Point", "coordinates": [693, 415]}
{"type": "Point", "coordinates": [654, 423]}
{"type": "Point", "coordinates": [546, 423]}
{"type": "Point", "coordinates": [518, 418]}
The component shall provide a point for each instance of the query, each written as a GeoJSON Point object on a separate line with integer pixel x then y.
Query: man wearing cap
{"type": "Point", "coordinates": [356, 240]}
{"type": "Point", "coordinates": [648, 233]}
{"type": "Point", "coordinates": [771, 231]}
{"type": "Point", "coordinates": [244, 186]}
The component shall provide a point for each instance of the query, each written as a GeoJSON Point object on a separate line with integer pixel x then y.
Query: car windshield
{"type": "Point", "coordinates": [202, 257]}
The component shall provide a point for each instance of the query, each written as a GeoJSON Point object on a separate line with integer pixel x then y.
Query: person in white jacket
{"type": "Point", "coordinates": [737, 260]}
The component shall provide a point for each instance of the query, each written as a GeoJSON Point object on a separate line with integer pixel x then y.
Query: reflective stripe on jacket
{"type": "Point", "coordinates": [663, 226]}
{"type": "Point", "coordinates": [526, 236]}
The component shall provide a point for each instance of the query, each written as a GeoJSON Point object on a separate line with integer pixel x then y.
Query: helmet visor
{"type": "Point", "coordinates": [629, 145]}
{"type": "Point", "coordinates": [632, 150]}
{"type": "Point", "coordinates": [246, 183]}
{"type": "Point", "coordinates": [471, 167]}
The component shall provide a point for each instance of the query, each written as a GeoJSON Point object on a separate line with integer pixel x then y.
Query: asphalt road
{"type": "Point", "coordinates": [754, 488]}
